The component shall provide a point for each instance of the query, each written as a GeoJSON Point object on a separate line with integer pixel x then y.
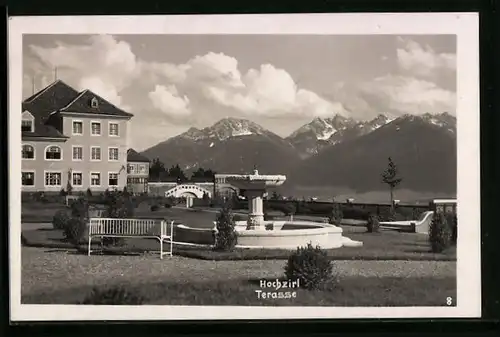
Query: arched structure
{"type": "Point", "coordinates": [183, 190]}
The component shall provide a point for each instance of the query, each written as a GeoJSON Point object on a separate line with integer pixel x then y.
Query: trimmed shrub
{"type": "Point", "coordinates": [76, 227]}
{"type": "Point", "coordinates": [80, 209]}
{"type": "Point", "coordinates": [75, 230]}
{"type": "Point", "coordinates": [439, 233]}
{"type": "Point", "coordinates": [63, 193]}
{"type": "Point", "coordinates": [373, 224]}
{"type": "Point", "coordinates": [226, 238]}
{"type": "Point", "coordinates": [335, 217]}
{"type": "Point", "coordinates": [453, 222]}
{"type": "Point", "coordinates": [116, 295]}
{"type": "Point", "coordinates": [154, 208]}
{"type": "Point", "coordinates": [60, 219]}
{"type": "Point", "coordinates": [168, 205]}
{"type": "Point", "coordinates": [310, 266]}
{"type": "Point", "coordinates": [89, 192]}
{"type": "Point", "coordinates": [119, 205]}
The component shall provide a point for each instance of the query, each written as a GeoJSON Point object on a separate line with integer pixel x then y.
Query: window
{"type": "Point", "coordinates": [53, 153]}
{"type": "Point", "coordinates": [77, 153]}
{"type": "Point", "coordinates": [77, 128]}
{"type": "Point", "coordinates": [94, 103]}
{"type": "Point", "coordinates": [135, 180]}
{"type": "Point", "coordinates": [142, 168]}
{"type": "Point", "coordinates": [52, 178]}
{"type": "Point", "coordinates": [113, 179]}
{"type": "Point", "coordinates": [95, 153]}
{"type": "Point", "coordinates": [77, 179]}
{"type": "Point", "coordinates": [28, 152]}
{"type": "Point", "coordinates": [95, 179]}
{"type": "Point", "coordinates": [113, 153]}
{"type": "Point", "coordinates": [113, 129]}
{"type": "Point", "coordinates": [96, 128]}
{"type": "Point", "coordinates": [26, 126]}
{"type": "Point", "coordinates": [28, 178]}
{"type": "Point", "coordinates": [130, 168]}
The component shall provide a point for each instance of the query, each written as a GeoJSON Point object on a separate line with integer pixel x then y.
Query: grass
{"type": "Point", "coordinates": [386, 245]}
{"type": "Point", "coordinates": [349, 291]}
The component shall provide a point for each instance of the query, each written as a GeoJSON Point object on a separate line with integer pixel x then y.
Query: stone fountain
{"type": "Point", "coordinates": [258, 233]}
{"type": "Point", "coordinates": [255, 186]}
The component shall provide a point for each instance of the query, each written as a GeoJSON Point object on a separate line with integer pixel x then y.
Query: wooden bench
{"type": "Point", "coordinates": [132, 228]}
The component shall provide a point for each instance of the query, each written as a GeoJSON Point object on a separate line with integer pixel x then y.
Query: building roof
{"type": "Point", "coordinates": [134, 156]}
{"type": "Point", "coordinates": [58, 96]}
{"type": "Point", "coordinates": [82, 104]}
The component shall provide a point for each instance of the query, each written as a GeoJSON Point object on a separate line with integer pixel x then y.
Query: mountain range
{"type": "Point", "coordinates": [336, 151]}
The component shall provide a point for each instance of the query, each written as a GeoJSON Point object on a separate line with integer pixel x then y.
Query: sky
{"type": "Point", "coordinates": [173, 82]}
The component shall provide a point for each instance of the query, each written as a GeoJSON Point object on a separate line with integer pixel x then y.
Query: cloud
{"type": "Point", "coordinates": [422, 61]}
{"type": "Point", "coordinates": [267, 91]}
{"type": "Point", "coordinates": [400, 94]}
{"type": "Point", "coordinates": [168, 100]}
{"type": "Point", "coordinates": [102, 64]}
{"type": "Point", "coordinates": [209, 86]}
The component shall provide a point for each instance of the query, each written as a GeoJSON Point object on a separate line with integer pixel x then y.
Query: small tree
{"type": "Point", "coordinates": [440, 235]}
{"type": "Point", "coordinates": [372, 225]}
{"type": "Point", "coordinates": [226, 238]}
{"type": "Point", "coordinates": [69, 187]}
{"type": "Point", "coordinates": [391, 178]}
{"type": "Point", "coordinates": [335, 217]}
{"type": "Point", "coordinates": [311, 266]}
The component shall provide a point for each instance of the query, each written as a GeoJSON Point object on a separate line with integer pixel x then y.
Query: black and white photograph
{"type": "Point", "coordinates": [244, 166]}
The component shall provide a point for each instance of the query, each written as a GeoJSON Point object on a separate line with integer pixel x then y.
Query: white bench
{"type": "Point", "coordinates": [132, 228]}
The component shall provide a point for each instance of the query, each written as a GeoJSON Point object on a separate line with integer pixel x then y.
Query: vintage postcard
{"type": "Point", "coordinates": [244, 167]}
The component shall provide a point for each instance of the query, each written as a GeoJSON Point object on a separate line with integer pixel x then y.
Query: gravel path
{"type": "Point", "coordinates": [44, 269]}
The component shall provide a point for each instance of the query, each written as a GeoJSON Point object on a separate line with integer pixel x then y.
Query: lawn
{"type": "Point", "coordinates": [387, 245]}
{"type": "Point", "coordinates": [59, 277]}
{"type": "Point", "coordinates": [350, 291]}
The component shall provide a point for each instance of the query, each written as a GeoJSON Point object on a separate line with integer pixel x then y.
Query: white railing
{"type": "Point", "coordinates": [139, 228]}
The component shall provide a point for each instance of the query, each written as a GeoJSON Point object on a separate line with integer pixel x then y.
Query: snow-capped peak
{"type": "Point", "coordinates": [225, 128]}
{"type": "Point", "coordinates": [233, 127]}
{"type": "Point", "coordinates": [324, 128]}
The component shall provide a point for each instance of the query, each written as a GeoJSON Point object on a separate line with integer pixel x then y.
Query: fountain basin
{"type": "Point", "coordinates": [285, 235]}
{"type": "Point", "coordinates": [292, 234]}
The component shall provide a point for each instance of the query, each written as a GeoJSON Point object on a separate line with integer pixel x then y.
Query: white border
{"type": "Point", "coordinates": [463, 25]}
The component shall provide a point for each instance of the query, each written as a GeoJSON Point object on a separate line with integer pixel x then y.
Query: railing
{"type": "Point", "coordinates": [144, 228]}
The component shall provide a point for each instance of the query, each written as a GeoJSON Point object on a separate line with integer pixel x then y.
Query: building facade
{"type": "Point", "coordinates": [72, 138]}
{"type": "Point", "coordinates": [137, 172]}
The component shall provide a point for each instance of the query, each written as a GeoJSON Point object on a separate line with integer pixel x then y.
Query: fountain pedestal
{"type": "Point", "coordinates": [255, 208]}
